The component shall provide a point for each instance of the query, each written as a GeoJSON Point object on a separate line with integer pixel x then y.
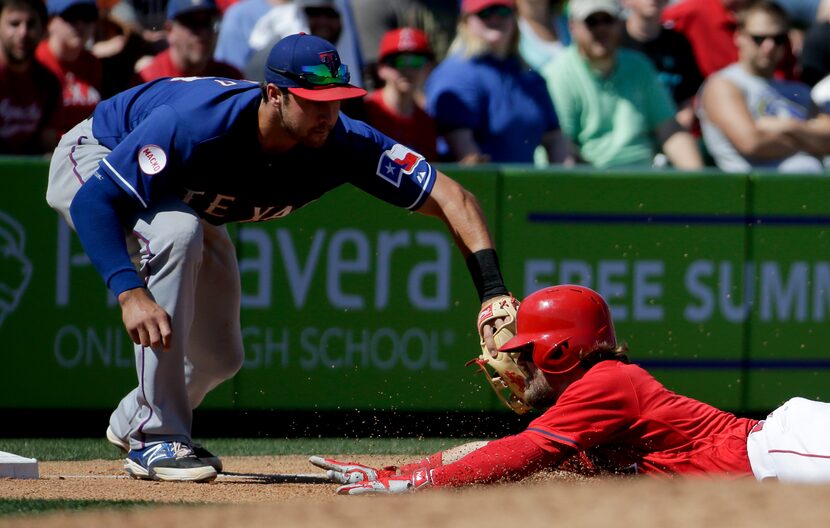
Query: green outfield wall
{"type": "Point", "coordinates": [719, 283]}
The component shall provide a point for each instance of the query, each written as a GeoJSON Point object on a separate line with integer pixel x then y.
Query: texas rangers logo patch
{"type": "Point", "coordinates": [151, 159]}
{"type": "Point", "coordinates": [399, 161]}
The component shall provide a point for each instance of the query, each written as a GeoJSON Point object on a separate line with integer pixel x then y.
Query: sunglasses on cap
{"type": "Point", "coordinates": [403, 61]}
{"type": "Point", "coordinates": [600, 19]}
{"type": "Point", "coordinates": [779, 40]}
{"type": "Point", "coordinates": [317, 76]}
{"type": "Point", "coordinates": [499, 11]}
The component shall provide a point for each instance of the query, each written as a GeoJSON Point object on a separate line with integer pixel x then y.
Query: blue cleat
{"type": "Point", "coordinates": [168, 461]}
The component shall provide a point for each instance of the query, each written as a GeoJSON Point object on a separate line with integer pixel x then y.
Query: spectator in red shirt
{"type": "Point", "coordinates": [191, 28]}
{"type": "Point", "coordinates": [710, 26]}
{"type": "Point", "coordinates": [29, 93]}
{"type": "Point", "coordinates": [404, 61]}
{"type": "Point", "coordinates": [71, 27]}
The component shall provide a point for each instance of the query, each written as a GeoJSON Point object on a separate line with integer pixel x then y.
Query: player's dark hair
{"type": "Point", "coordinates": [617, 353]}
{"type": "Point", "coordinates": [772, 9]}
{"type": "Point", "coordinates": [37, 6]}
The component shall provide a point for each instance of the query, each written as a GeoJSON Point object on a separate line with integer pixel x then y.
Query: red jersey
{"type": "Point", "coordinates": [417, 131]}
{"type": "Point", "coordinates": [162, 66]}
{"type": "Point", "coordinates": [625, 420]}
{"type": "Point", "coordinates": [29, 103]}
{"type": "Point", "coordinates": [80, 82]}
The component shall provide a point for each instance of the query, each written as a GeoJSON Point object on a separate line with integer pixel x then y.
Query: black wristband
{"type": "Point", "coordinates": [486, 273]}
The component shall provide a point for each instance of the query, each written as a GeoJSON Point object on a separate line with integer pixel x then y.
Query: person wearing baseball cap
{"type": "Point", "coordinates": [71, 26]}
{"type": "Point", "coordinates": [310, 67]}
{"type": "Point", "coordinates": [488, 104]}
{"type": "Point", "coordinates": [191, 35]}
{"type": "Point", "coordinates": [611, 103]}
{"type": "Point", "coordinates": [405, 59]}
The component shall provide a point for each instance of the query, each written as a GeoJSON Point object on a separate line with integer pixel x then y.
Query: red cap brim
{"type": "Point", "coordinates": [335, 93]}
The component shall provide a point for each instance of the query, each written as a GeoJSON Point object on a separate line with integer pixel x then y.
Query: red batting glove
{"type": "Point", "coordinates": [418, 479]}
{"type": "Point", "coordinates": [351, 472]}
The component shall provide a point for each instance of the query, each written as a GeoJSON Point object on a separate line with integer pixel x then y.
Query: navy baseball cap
{"type": "Point", "coordinates": [180, 7]}
{"type": "Point", "coordinates": [58, 7]}
{"type": "Point", "coordinates": [310, 67]}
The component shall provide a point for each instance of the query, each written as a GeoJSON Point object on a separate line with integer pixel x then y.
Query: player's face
{"type": "Point", "coordinates": [306, 121]}
{"type": "Point", "coordinates": [192, 37]}
{"type": "Point", "coordinates": [598, 36]}
{"type": "Point", "coordinates": [762, 43]}
{"type": "Point", "coordinates": [20, 31]}
{"type": "Point", "coordinates": [538, 392]}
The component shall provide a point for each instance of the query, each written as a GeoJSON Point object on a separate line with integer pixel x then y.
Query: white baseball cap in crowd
{"type": "Point", "coordinates": [579, 10]}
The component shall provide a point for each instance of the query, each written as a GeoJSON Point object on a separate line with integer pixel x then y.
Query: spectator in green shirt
{"type": "Point", "coordinates": [610, 102]}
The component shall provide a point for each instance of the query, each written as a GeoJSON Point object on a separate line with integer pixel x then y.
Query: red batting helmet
{"type": "Point", "coordinates": [563, 324]}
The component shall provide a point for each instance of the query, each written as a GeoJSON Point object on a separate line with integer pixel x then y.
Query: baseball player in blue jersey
{"type": "Point", "coordinates": [149, 180]}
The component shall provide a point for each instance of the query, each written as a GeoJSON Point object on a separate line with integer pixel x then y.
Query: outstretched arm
{"type": "Point", "coordinates": [459, 209]}
{"type": "Point", "coordinates": [508, 459]}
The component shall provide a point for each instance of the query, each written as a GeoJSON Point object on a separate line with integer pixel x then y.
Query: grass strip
{"type": "Point", "coordinates": [14, 507]}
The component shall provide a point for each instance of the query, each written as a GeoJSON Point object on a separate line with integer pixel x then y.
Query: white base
{"type": "Point", "coordinates": [14, 466]}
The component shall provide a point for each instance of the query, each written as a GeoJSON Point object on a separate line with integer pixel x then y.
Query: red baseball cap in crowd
{"type": "Point", "coordinates": [310, 67]}
{"type": "Point", "coordinates": [404, 40]}
{"type": "Point", "coordinates": [475, 6]}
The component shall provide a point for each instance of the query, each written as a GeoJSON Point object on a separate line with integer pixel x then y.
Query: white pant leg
{"type": "Point", "coordinates": [171, 242]}
{"type": "Point", "coordinates": [793, 443]}
{"type": "Point", "coordinates": [214, 351]}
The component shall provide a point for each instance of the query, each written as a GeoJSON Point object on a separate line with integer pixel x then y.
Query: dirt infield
{"type": "Point", "coordinates": [248, 498]}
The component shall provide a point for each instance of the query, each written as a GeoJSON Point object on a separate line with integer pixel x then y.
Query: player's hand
{"type": "Point", "coordinates": [146, 322]}
{"type": "Point", "coordinates": [396, 484]}
{"type": "Point", "coordinates": [350, 472]}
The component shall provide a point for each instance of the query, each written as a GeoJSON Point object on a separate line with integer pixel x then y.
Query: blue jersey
{"type": "Point", "coordinates": [196, 137]}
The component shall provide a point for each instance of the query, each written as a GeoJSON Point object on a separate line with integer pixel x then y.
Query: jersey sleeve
{"type": "Point", "coordinates": [509, 458]}
{"type": "Point", "coordinates": [145, 156]}
{"type": "Point", "coordinates": [386, 169]}
{"type": "Point", "coordinates": [589, 413]}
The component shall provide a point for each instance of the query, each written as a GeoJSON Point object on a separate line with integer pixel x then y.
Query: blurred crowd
{"type": "Point", "coordinates": [733, 84]}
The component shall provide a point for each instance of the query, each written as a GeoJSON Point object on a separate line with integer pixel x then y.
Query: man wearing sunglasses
{"type": "Point", "coordinates": [70, 29]}
{"type": "Point", "coordinates": [170, 162]}
{"type": "Point", "coordinates": [749, 118]}
{"type": "Point", "coordinates": [610, 102]}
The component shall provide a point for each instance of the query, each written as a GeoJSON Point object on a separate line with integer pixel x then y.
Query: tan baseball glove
{"type": "Point", "coordinates": [502, 372]}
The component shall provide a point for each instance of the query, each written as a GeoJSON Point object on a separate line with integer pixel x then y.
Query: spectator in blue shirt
{"type": "Point", "coordinates": [488, 104]}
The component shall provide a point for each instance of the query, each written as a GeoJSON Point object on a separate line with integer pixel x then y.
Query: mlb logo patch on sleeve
{"type": "Point", "coordinates": [399, 161]}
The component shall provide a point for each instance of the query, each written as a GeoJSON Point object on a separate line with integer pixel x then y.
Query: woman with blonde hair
{"type": "Point", "coordinates": [488, 104]}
